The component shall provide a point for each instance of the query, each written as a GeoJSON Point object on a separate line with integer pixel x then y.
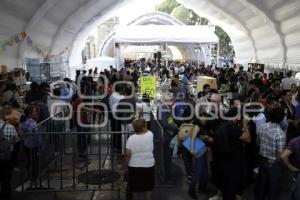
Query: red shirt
{"type": "Point", "coordinates": [83, 115]}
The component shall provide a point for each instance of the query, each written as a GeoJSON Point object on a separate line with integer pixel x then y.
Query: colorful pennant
{"type": "Point", "coordinates": [20, 37]}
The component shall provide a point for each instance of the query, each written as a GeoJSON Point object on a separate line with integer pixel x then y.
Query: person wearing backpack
{"type": "Point", "coordinates": [185, 131]}
{"type": "Point", "coordinates": [229, 153]}
{"type": "Point", "coordinates": [201, 131]}
{"type": "Point", "coordinates": [170, 130]}
{"type": "Point", "coordinates": [8, 137]}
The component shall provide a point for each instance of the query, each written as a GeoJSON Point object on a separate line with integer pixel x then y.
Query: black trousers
{"type": "Point", "coordinates": [33, 165]}
{"type": "Point", "coordinates": [5, 177]}
{"type": "Point", "coordinates": [83, 140]}
{"type": "Point", "coordinates": [269, 180]}
{"type": "Point", "coordinates": [167, 155]}
{"type": "Point", "coordinates": [116, 138]}
{"type": "Point", "coordinates": [231, 175]}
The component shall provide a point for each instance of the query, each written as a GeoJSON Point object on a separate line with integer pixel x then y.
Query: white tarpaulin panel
{"type": "Point", "coordinates": [101, 63]}
{"type": "Point", "coordinates": [156, 34]}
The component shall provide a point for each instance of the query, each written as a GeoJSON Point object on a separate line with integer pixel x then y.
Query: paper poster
{"type": "Point", "coordinates": [202, 80]}
{"type": "Point", "coordinates": [148, 85]}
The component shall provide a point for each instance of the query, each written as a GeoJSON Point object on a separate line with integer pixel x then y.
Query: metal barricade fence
{"type": "Point", "coordinates": [79, 161]}
{"type": "Point", "coordinates": [50, 168]}
{"type": "Point", "coordinates": [158, 132]}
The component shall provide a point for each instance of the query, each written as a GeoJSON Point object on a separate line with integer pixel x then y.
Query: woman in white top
{"type": "Point", "coordinates": [140, 160]}
{"type": "Point", "coordinates": [144, 109]}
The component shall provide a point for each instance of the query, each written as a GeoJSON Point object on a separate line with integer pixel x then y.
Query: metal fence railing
{"type": "Point", "coordinates": [87, 160]}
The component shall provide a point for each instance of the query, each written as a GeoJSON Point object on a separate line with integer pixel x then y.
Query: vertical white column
{"type": "Point", "coordinates": [117, 55]}
{"type": "Point", "coordinates": [166, 52]}
{"type": "Point", "coordinates": [198, 55]}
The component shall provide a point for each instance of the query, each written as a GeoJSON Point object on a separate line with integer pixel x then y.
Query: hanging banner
{"type": "Point", "coordinates": [148, 86]}
{"type": "Point", "coordinates": [16, 39]}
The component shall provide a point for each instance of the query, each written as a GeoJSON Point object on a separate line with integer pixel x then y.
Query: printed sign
{"type": "Point", "coordinates": [148, 85]}
{"type": "Point", "coordinates": [202, 80]}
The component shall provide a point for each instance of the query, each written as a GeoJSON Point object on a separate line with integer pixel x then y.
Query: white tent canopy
{"type": "Point", "coordinates": [264, 31]}
{"type": "Point", "coordinates": [101, 62]}
{"type": "Point", "coordinates": [171, 34]}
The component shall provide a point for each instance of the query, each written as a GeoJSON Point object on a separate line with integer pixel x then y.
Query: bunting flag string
{"type": "Point", "coordinates": [23, 36]}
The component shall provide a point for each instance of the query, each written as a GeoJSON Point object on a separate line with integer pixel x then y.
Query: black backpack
{"type": "Point", "coordinates": [13, 102]}
{"type": "Point", "coordinates": [5, 146]}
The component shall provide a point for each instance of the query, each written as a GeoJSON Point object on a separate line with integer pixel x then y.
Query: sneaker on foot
{"type": "Point", "coordinates": [216, 197]}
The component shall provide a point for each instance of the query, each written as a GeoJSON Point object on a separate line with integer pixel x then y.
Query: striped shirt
{"type": "Point", "coordinates": [9, 132]}
{"type": "Point", "coordinates": [271, 140]}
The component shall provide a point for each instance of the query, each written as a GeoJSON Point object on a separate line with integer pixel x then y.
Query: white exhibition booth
{"type": "Point", "coordinates": [199, 37]}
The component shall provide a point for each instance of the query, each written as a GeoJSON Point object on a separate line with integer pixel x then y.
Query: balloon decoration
{"type": "Point", "coordinates": [14, 40]}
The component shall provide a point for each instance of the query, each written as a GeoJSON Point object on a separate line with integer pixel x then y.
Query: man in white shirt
{"type": "Point", "coordinates": [288, 81]}
{"type": "Point", "coordinates": [114, 100]}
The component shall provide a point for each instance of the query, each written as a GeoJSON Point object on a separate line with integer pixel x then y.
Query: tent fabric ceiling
{"type": "Point", "coordinates": [152, 34]}
{"type": "Point", "coordinates": [160, 18]}
{"type": "Point", "coordinates": [267, 31]}
{"type": "Point", "coordinates": [152, 18]}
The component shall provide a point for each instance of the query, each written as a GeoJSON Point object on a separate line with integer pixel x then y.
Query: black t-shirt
{"type": "Point", "coordinates": [204, 129]}
{"type": "Point", "coordinates": [228, 136]}
{"type": "Point", "coordinates": [290, 113]}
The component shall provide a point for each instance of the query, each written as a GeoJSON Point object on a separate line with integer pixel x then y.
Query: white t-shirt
{"type": "Point", "coordinates": [287, 83]}
{"type": "Point", "coordinates": [141, 147]}
{"type": "Point", "coordinates": [146, 109]}
{"type": "Point", "coordinates": [114, 99]}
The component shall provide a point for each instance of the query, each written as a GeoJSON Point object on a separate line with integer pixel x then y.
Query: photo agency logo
{"type": "Point", "coordinates": [91, 97]}
{"type": "Point", "coordinates": [92, 104]}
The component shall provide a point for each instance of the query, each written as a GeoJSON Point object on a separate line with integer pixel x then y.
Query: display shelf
{"type": "Point", "coordinates": [17, 75]}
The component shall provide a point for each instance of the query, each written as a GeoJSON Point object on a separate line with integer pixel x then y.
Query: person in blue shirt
{"type": "Point", "coordinates": [170, 130]}
{"type": "Point", "coordinates": [297, 108]}
{"type": "Point", "coordinates": [264, 117]}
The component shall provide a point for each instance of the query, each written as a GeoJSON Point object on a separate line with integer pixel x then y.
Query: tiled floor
{"type": "Point", "coordinates": [161, 192]}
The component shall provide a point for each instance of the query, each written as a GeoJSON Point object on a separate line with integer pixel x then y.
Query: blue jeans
{"type": "Point", "coordinates": [188, 161]}
{"type": "Point", "coordinates": [199, 172]}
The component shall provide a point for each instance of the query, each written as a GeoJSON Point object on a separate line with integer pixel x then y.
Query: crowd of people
{"type": "Point", "coordinates": [250, 138]}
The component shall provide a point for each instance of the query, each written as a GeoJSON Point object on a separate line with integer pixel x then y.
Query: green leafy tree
{"type": "Point", "coordinates": [224, 41]}
{"type": "Point", "coordinates": [182, 14]}
{"type": "Point", "coordinates": [167, 6]}
{"type": "Point", "coordinates": [189, 17]}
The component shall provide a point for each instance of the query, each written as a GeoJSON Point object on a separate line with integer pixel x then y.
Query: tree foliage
{"type": "Point", "coordinates": [167, 6]}
{"type": "Point", "coordinates": [189, 17]}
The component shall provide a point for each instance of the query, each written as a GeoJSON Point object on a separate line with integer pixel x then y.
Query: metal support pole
{"type": "Point", "coordinates": [218, 54]}
{"type": "Point", "coordinates": [198, 56]}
